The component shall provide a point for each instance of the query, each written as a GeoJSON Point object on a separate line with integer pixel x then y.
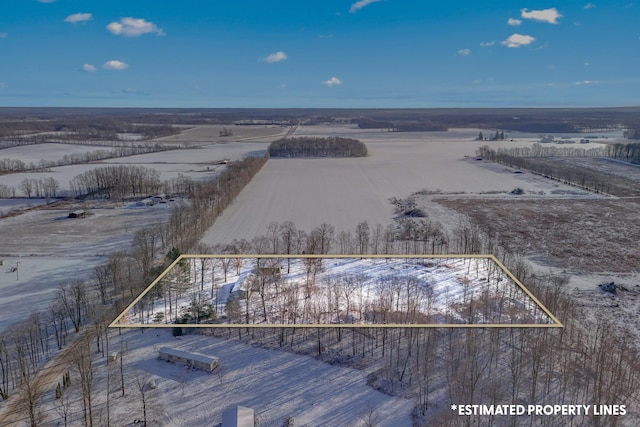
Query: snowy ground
{"type": "Point", "coordinates": [47, 151]}
{"type": "Point", "coordinates": [277, 385]}
{"type": "Point", "coordinates": [34, 285]}
{"type": "Point", "coordinates": [53, 250]}
{"type": "Point", "coordinates": [344, 291]}
{"type": "Point", "coordinates": [344, 192]}
{"type": "Point", "coordinates": [8, 206]}
{"type": "Point", "coordinates": [197, 163]}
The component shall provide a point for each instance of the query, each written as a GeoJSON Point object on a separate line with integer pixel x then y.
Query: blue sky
{"type": "Point", "coordinates": [368, 53]}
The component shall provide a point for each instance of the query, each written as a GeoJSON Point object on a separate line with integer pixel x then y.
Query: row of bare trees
{"type": "Point", "coordinates": [44, 187]}
{"type": "Point", "coordinates": [550, 168]}
{"type": "Point", "coordinates": [8, 165]}
{"type": "Point", "coordinates": [116, 181]}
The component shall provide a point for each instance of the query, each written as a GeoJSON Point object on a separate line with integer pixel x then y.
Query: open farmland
{"type": "Point", "coordinates": [206, 134]}
{"type": "Point", "coordinates": [47, 151]}
{"type": "Point", "coordinates": [344, 192]}
{"type": "Point", "coordinates": [197, 163]}
{"type": "Point", "coordinates": [584, 235]}
{"type": "Point", "coordinates": [53, 250]}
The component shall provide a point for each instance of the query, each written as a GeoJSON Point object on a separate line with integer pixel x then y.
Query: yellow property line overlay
{"type": "Point", "coordinates": [556, 323]}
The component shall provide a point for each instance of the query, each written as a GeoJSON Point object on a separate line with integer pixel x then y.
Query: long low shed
{"type": "Point", "coordinates": [191, 359]}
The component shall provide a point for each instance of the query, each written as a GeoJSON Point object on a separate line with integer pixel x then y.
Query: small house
{"type": "Point", "coordinates": [187, 358]}
{"type": "Point", "coordinates": [238, 416]}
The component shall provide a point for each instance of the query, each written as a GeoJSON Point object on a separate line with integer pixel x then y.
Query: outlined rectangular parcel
{"type": "Point", "coordinates": [207, 291]}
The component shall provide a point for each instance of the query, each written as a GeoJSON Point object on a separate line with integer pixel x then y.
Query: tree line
{"type": "Point", "coordinates": [8, 165]}
{"type": "Point", "coordinates": [629, 152]}
{"type": "Point", "coordinates": [533, 160]}
{"type": "Point", "coordinates": [81, 128]}
{"type": "Point", "coordinates": [317, 147]}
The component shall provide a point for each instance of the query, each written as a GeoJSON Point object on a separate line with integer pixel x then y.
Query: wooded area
{"type": "Point", "coordinates": [317, 147]}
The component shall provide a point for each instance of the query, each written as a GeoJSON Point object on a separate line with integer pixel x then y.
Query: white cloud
{"type": "Point", "coordinates": [514, 22]}
{"type": "Point", "coordinates": [464, 52]}
{"type": "Point", "coordinates": [587, 82]}
{"type": "Point", "coordinates": [589, 6]}
{"type": "Point", "coordinates": [134, 27]}
{"type": "Point", "coordinates": [46, 1]}
{"type": "Point", "coordinates": [89, 68]}
{"type": "Point", "coordinates": [114, 65]}
{"type": "Point", "coordinates": [488, 44]}
{"type": "Point", "coordinates": [546, 15]}
{"type": "Point", "coordinates": [516, 40]}
{"type": "Point", "coordinates": [78, 17]}
{"type": "Point", "coordinates": [276, 57]}
{"type": "Point", "coordinates": [360, 4]}
{"type": "Point", "coordinates": [333, 81]}
{"type": "Point", "coordinates": [3, 35]}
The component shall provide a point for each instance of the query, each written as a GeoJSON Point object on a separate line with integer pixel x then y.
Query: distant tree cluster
{"type": "Point", "coordinates": [7, 191]}
{"type": "Point", "coordinates": [225, 131]}
{"type": "Point", "coordinates": [43, 187]}
{"type": "Point", "coordinates": [499, 136]}
{"type": "Point", "coordinates": [628, 152]}
{"type": "Point", "coordinates": [317, 147]}
{"type": "Point", "coordinates": [540, 150]}
{"type": "Point", "coordinates": [116, 181]}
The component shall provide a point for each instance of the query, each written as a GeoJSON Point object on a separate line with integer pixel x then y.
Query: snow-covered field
{"type": "Point", "coordinates": [277, 385]}
{"type": "Point", "coordinates": [28, 284]}
{"type": "Point", "coordinates": [202, 134]}
{"type": "Point", "coordinates": [197, 163]}
{"type": "Point", "coordinates": [47, 151]}
{"type": "Point", "coordinates": [54, 250]}
{"type": "Point", "coordinates": [343, 192]}
{"type": "Point", "coordinates": [334, 291]}
{"type": "Point", "coordinates": [11, 205]}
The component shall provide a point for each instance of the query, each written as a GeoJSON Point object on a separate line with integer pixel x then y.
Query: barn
{"type": "Point", "coordinates": [187, 358]}
{"type": "Point", "coordinates": [238, 416]}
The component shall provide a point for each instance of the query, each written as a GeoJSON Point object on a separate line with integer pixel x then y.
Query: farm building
{"type": "Point", "coordinates": [238, 416]}
{"type": "Point", "coordinates": [191, 359]}
{"type": "Point", "coordinates": [77, 214]}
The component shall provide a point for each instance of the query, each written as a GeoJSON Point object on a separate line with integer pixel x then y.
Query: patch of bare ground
{"type": "Point", "coordinates": [584, 235]}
